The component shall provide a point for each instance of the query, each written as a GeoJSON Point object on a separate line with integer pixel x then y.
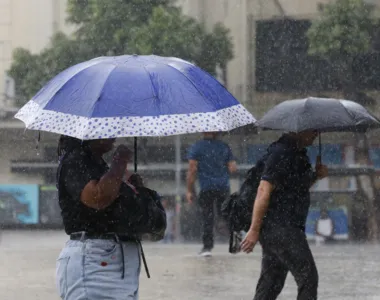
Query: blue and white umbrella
{"type": "Point", "coordinates": [131, 95]}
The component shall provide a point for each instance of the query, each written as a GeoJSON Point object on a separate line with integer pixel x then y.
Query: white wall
{"type": "Point", "coordinates": [28, 24]}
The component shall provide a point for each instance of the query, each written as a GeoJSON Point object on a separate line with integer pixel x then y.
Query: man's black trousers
{"type": "Point", "coordinates": [210, 202]}
{"type": "Point", "coordinates": [286, 249]}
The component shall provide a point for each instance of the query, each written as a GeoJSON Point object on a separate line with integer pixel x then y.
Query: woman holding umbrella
{"type": "Point", "coordinates": [102, 256]}
{"type": "Point", "coordinates": [97, 101]}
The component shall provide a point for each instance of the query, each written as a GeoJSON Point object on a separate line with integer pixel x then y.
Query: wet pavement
{"type": "Point", "coordinates": [346, 272]}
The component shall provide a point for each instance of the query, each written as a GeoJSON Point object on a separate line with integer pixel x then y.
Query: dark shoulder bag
{"type": "Point", "coordinates": [140, 212]}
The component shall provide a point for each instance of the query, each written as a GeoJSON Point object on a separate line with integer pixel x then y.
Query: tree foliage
{"type": "Point", "coordinates": [343, 31]}
{"type": "Point", "coordinates": [122, 27]}
{"type": "Point", "coordinates": [32, 71]}
{"type": "Point", "coordinates": [167, 33]}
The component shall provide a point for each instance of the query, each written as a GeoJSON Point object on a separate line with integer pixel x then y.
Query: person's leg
{"type": "Point", "coordinates": [294, 251]}
{"type": "Point", "coordinates": [69, 272]}
{"type": "Point", "coordinates": [132, 268]}
{"type": "Point", "coordinates": [207, 206]}
{"type": "Point", "coordinates": [219, 198]}
{"type": "Point", "coordinates": [319, 240]}
{"type": "Point", "coordinates": [103, 270]}
{"type": "Point", "coordinates": [272, 277]}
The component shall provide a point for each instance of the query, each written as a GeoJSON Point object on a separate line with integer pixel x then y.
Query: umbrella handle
{"type": "Point", "coordinates": [135, 153]}
{"type": "Point", "coordinates": [319, 156]}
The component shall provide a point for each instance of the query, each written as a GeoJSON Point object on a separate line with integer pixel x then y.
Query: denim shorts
{"type": "Point", "coordinates": [92, 270]}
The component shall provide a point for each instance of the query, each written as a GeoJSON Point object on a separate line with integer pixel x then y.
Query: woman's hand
{"type": "Point", "coordinates": [123, 153]}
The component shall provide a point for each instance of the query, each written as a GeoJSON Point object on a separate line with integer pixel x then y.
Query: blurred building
{"type": "Point", "coordinates": [28, 24]}
{"type": "Point", "coordinates": [241, 17]}
{"type": "Point", "coordinates": [265, 33]}
{"type": "Point", "coordinates": [269, 40]}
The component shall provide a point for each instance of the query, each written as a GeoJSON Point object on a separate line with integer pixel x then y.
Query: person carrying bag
{"type": "Point", "coordinates": [105, 218]}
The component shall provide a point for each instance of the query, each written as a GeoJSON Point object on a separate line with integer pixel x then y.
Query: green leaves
{"type": "Point", "coordinates": [217, 50]}
{"type": "Point", "coordinates": [31, 72]}
{"type": "Point", "coordinates": [343, 32]}
{"type": "Point", "coordinates": [26, 68]}
{"type": "Point", "coordinates": [119, 27]}
{"type": "Point", "coordinates": [167, 33]}
{"type": "Point", "coordinates": [344, 29]}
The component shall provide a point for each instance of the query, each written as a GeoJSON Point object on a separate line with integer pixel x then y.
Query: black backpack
{"type": "Point", "coordinates": [237, 209]}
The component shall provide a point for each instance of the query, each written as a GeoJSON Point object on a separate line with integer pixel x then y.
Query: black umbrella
{"type": "Point", "coordinates": [321, 114]}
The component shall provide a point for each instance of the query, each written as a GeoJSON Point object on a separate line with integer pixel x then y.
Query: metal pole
{"type": "Point", "coordinates": [135, 153]}
{"type": "Point", "coordinates": [320, 146]}
{"type": "Point", "coordinates": [178, 171]}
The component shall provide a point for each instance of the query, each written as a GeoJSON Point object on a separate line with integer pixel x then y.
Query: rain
{"type": "Point", "coordinates": [156, 75]}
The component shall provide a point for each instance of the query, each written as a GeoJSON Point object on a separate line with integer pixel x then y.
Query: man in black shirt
{"type": "Point", "coordinates": [279, 216]}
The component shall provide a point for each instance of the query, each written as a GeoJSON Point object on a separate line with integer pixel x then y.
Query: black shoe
{"type": "Point", "coordinates": [235, 240]}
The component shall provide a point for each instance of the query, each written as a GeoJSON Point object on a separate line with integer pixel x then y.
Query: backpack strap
{"type": "Point", "coordinates": [132, 187]}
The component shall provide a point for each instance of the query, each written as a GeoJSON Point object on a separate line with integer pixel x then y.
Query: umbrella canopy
{"type": "Point", "coordinates": [131, 95]}
{"type": "Point", "coordinates": [321, 114]}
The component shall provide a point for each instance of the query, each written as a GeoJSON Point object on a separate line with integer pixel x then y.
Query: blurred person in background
{"type": "Point", "coordinates": [212, 161]}
{"type": "Point", "coordinates": [324, 227]}
{"type": "Point", "coordinates": [105, 218]}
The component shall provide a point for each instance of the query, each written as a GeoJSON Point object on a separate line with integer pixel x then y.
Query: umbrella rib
{"type": "Point", "coordinates": [67, 81]}
{"type": "Point", "coordinates": [345, 108]}
{"type": "Point", "coordinates": [185, 77]}
{"type": "Point", "coordinates": [348, 112]}
{"type": "Point", "coordinates": [97, 98]}
{"type": "Point", "coordinates": [151, 82]}
{"type": "Point", "coordinates": [298, 119]}
{"type": "Point", "coordinates": [369, 113]}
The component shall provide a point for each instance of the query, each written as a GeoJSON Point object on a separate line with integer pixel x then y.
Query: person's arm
{"type": "Point", "coordinates": [193, 158]}
{"type": "Point", "coordinates": [321, 171]}
{"type": "Point", "coordinates": [100, 194]}
{"type": "Point", "coordinates": [275, 172]}
{"type": "Point", "coordinates": [191, 175]}
{"type": "Point", "coordinates": [260, 207]}
{"type": "Point", "coordinates": [96, 193]}
{"type": "Point", "coordinates": [231, 162]}
{"type": "Point", "coordinates": [232, 167]}
{"type": "Point", "coordinates": [276, 167]}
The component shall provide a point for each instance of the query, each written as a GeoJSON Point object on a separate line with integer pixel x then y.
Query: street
{"type": "Point", "coordinates": [346, 271]}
